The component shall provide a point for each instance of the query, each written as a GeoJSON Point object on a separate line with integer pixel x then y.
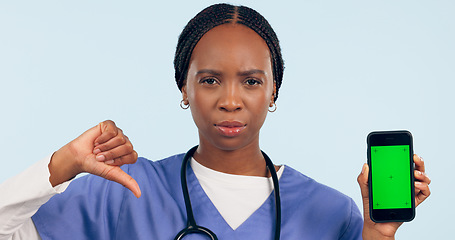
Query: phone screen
{"type": "Point", "coordinates": [391, 179]}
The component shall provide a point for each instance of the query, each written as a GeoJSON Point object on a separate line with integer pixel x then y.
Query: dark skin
{"type": "Point", "coordinates": [230, 79]}
{"type": "Point", "coordinates": [229, 88]}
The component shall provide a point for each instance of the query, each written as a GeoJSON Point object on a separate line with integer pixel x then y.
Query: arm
{"type": "Point", "coordinates": [22, 196]}
{"type": "Point", "coordinates": [372, 230]}
{"type": "Point", "coordinates": [100, 151]}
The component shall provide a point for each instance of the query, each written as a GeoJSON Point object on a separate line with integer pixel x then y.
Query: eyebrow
{"type": "Point", "coordinates": [251, 72]}
{"type": "Point", "coordinates": [208, 71]}
{"type": "Point", "coordinates": [244, 73]}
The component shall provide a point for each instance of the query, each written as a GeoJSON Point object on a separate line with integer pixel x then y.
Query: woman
{"type": "Point", "coordinates": [229, 69]}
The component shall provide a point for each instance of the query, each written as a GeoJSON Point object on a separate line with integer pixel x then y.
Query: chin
{"type": "Point", "coordinates": [231, 144]}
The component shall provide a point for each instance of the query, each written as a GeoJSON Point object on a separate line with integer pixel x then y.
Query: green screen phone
{"type": "Point", "coordinates": [391, 177]}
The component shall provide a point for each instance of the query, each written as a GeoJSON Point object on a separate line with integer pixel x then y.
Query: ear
{"type": "Point", "coordinates": [273, 94]}
{"type": "Point", "coordinates": [185, 95]}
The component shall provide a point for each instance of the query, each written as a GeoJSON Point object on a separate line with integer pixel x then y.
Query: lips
{"type": "Point", "coordinates": [230, 128]}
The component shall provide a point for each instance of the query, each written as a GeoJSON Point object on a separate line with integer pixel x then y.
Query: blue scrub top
{"type": "Point", "coordinates": [94, 208]}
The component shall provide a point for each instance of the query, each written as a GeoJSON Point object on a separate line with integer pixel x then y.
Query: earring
{"type": "Point", "coordinates": [273, 107]}
{"type": "Point", "coordinates": [183, 105]}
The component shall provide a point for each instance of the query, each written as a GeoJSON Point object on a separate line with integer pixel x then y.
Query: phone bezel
{"type": "Point", "coordinates": [391, 138]}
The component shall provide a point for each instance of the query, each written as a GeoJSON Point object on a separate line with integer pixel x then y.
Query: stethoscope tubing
{"type": "Point", "coordinates": [192, 227]}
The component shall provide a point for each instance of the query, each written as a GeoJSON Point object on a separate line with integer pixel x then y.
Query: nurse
{"type": "Point", "coordinates": [229, 69]}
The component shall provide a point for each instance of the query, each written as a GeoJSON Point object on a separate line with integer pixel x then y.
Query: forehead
{"type": "Point", "coordinates": [232, 44]}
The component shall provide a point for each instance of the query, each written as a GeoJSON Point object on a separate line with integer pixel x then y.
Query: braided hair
{"type": "Point", "coordinates": [219, 14]}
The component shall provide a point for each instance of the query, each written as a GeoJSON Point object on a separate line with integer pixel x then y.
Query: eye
{"type": "Point", "coordinates": [252, 82]}
{"type": "Point", "coordinates": [209, 81]}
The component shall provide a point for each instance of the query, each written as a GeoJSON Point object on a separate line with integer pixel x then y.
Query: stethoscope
{"type": "Point", "coordinates": [192, 227]}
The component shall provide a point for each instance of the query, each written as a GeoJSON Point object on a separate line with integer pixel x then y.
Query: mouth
{"type": "Point", "coordinates": [230, 128]}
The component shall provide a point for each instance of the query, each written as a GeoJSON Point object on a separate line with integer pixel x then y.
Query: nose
{"type": "Point", "coordinates": [230, 99]}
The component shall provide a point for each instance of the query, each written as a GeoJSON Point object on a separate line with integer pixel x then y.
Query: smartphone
{"type": "Point", "coordinates": [391, 176]}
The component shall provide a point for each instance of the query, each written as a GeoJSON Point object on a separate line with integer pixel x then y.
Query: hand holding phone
{"type": "Point", "coordinates": [387, 229]}
{"type": "Point", "coordinates": [391, 176]}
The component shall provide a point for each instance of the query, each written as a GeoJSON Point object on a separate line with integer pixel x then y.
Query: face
{"type": "Point", "coordinates": [229, 86]}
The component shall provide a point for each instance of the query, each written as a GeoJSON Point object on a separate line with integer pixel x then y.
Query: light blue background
{"type": "Point", "coordinates": [351, 67]}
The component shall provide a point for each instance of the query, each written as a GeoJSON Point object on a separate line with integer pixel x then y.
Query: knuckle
{"type": "Point", "coordinates": [130, 144]}
{"type": "Point", "coordinates": [119, 139]}
{"type": "Point", "coordinates": [109, 122]}
{"type": "Point", "coordinates": [106, 173]}
{"type": "Point", "coordinates": [110, 156]}
{"type": "Point", "coordinates": [130, 158]}
{"type": "Point", "coordinates": [119, 161]}
{"type": "Point", "coordinates": [135, 156]}
{"type": "Point", "coordinates": [102, 147]}
{"type": "Point", "coordinates": [111, 134]}
{"type": "Point", "coordinates": [129, 148]}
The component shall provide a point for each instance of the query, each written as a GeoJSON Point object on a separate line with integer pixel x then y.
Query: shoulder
{"type": "Point", "coordinates": [91, 199]}
{"type": "Point", "coordinates": [160, 165]}
{"type": "Point", "coordinates": [163, 170]}
{"type": "Point", "coordinates": [304, 198]}
{"type": "Point", "coordinates": [308, 187]}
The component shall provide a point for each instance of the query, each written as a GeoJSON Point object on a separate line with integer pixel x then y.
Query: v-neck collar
{"type": "Point", "coordinates": [207, 215]}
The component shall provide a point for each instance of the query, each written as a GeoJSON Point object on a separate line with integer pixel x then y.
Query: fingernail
{"type": "Point", "coordinates": [96, 144]}
{"type": "Point", "coordinates": [109, 162]}
{"type": "Point", "coordinates": [96, 151]}
{"type": "Point", "coordinates": [100, 157]}
{"type": "Point", "coordinates": [139, 192]}
{"type": "Point", "coordinates": [363, 168]}
{"type": "Point", "coordinates": [421, 158]}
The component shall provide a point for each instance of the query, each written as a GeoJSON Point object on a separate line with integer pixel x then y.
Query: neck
{"type": "Point", "coordinates": [247, 160]}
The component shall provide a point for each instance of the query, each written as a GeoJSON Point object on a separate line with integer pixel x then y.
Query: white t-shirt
{"type": "Point", "coordinates": [235, 197]}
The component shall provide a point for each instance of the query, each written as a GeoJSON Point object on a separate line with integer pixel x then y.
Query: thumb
{"type": "Point", "coordinates": [362, 179]}
{"type": "Point", "coordinates": [116, 174]}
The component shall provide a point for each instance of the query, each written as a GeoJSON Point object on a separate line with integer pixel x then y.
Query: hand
{"type": "Point", "coordinates": [372, 230]}
{"type": "Point", "coordinates": [101, 151]}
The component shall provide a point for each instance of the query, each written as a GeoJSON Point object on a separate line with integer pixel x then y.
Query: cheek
{"type": "Point", "coordinates": [200, 106]}
{"type": "Point", "coordinates": [259, 106]}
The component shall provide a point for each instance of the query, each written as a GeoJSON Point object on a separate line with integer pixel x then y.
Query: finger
{"type": "Point", "coordinates": [424, 192]}
{"type": "Point", "coordinates": [117, 152]}
{"type": "Point", "coordinates": [127, 159]}
{"type": "Point", "coordinates": [112, 143]}
{"type": "Point", "coordinates": [108, 130]}
{"type": "Point", "coordinates": [116, 174]}
{"type": "Point", "coordinates": [419, 164]}
{"type": "Point", "coordinates": [362, 179]}
{"type": "Point", "coordinates": [422, 177]}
